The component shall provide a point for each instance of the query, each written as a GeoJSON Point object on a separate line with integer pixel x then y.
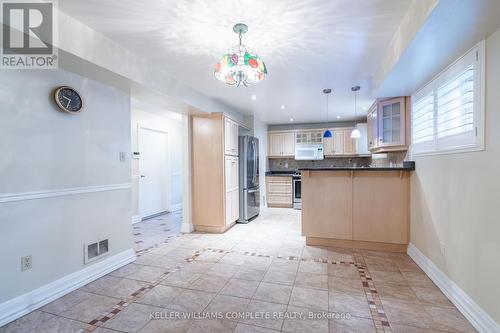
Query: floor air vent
{"type": "Point", "coordinates": [96, 250]}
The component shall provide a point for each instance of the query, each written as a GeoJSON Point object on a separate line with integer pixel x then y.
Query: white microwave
{"type": "Point", "coordinates": [309, 152]}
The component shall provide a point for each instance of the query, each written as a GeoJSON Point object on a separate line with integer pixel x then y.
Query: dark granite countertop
{"type": "Point", "coordinates": [359, 169]}
{"type": "Point", "coordinates": [281, 173]}
{"type": "Point", "coordinates": [403, 168]}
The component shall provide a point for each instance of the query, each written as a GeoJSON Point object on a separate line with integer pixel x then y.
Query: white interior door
{"type": "Point", "coordinates": [154, 174]}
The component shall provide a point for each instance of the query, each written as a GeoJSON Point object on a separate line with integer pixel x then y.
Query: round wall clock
{"type": "Point", "coordinates": [68, 99]}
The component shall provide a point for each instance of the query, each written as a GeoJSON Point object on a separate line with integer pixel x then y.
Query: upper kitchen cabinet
{"type": "Point", "coordinates": [372, 129]}
{"type": "Point", "coordinates": [387, 125]}
{"type": "Point", "coordinates": [340, 143]}
{"type": "Point", "coordinates": [230, 137]}
{"type": "Point", "coordinates": [281, 144]}
{"type": "Point", "coordinates": [362, 141]}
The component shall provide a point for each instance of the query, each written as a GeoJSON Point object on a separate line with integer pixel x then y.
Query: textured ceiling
{"type": "Point", "coordinates": [307, 45]}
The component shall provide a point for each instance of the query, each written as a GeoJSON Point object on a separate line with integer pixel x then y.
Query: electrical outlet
{"type": "Point", "coordinates": [26, 263]}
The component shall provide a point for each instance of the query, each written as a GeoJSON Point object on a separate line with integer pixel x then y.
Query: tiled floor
{"type": "Point", "coordinates": [156, 230]}
{"type": "Point", "coordinates": [254, 278]}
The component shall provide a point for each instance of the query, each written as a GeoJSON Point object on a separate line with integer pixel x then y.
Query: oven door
{"type": "Point", "coordinates": [297, 195]}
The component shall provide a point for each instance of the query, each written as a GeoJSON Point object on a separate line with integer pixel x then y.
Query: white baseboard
{"type": "Point", "coordinates": [176, 207]}
{"type": "Point", "coordinates": [187, 227]}
{"type": "Point", "coordinates": [470, 309]}
{"type": "Point", "coordinates": [21, 305]}
{"type": "Point", "coordinates": [136, 219]}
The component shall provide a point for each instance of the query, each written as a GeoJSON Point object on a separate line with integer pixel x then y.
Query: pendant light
{"type": "Point", "coordinates": [355, 134]}
{"type": "Point", "coordinates": [327, 133]}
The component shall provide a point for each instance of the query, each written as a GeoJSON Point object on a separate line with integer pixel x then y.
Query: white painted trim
{"type": "Point", "coordinates": [470, 309]}
{"type": "Point", "coordinates": [187, 227]}
{"type": "Point", "coordinates": [136, 219]}
{"type": "Point", "coordinates": [176, 207]}
{"type": "Point", "coordinates": [21, 305]}
{"type": "Point", "coordinates": [9, 197]}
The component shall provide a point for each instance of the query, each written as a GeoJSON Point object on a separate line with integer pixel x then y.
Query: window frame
{"type": "Point", "coordinates": [455, 144]}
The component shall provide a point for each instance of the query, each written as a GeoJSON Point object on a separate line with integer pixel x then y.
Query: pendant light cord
{"type": "Point", "coordinates": [327, 113]}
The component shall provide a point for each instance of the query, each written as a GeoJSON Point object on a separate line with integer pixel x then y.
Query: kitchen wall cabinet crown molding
{"type": "Point", "coordinates": [215, 172]}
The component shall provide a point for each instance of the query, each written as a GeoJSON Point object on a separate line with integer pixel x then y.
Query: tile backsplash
{"type": "Point", "coordinates": [378, 160]}
{"type": "Point", "coordinates": [287, 164]}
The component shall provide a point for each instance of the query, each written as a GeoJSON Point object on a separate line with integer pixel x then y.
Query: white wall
{"type": "Point", "coordinates": [454, 200]}
{"type": "Point", "coordinates": [158, 118]}
{"type": "Point", "coordinates": [44, 149]}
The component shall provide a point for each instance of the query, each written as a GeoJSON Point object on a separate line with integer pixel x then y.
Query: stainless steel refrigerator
{"type": "Point", "coordinates": [249, 178]}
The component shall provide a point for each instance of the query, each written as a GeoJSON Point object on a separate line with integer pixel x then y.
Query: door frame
{"type": "Point", "coordinates": [168, 182]}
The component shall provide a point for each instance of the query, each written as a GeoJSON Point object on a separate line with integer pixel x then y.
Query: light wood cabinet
{"type": "Point", "coordinates": [328, 146]}
{"type": "Point", "coordinates": [362, 141]}
{"type": "Point", "coordinates": [388, 126]}
{"type": "Point", "coordinates": [232, 189]}
{"type": "Point", "coordinates": [230, 137]}
{"type": "Point", "coordinates": [366, 209]}
{"type": "Point", "coordinates": [392, 122]}
{"type": "Point", "coordinates": [349, 143]}
{"type": "Point", "coordinates": [215, 172]}
{"type": "Point", "coordinates": [279, 192]}
{"type": "Point", "coordinates": [340, 143]}
{"type": "Point", "coordinates": [281, 144]}
{"type": "Point", "coordinates": [372, 122]}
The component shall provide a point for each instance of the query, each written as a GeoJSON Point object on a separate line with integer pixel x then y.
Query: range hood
{"type": "Point", "coordinates": [309, 152]}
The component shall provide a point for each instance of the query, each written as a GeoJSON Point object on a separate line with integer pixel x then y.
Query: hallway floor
{"type": "Point", "coordinates": [157, 230]}
{"type": "Point", "coordinates": [259, 277]}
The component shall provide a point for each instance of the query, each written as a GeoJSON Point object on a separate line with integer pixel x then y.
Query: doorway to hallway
{"type": "Point", "coordinates": [153, 172]}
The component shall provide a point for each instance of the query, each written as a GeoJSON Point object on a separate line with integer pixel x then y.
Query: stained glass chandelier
{"type": "Point", "coordinates": [240, 65]}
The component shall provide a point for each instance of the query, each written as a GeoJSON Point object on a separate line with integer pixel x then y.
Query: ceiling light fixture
{"type": "Point", "coordinates": [254, 97]}
{"type": "Point", "coordinates": [355, 134]}
{"type": "Point", "coordinates": [282, 107]}
{"type": "Point", "coordinates": [292, 120]}
{"type": "Point", "coordinates": [338, 117]}
{"type": "Point", "coordinates": [327, 133]}
{"type": "Point", "coordinates": [240, 65]}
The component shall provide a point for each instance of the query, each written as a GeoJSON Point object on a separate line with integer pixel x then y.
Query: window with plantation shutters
{"type": "Point", "coordinates": [447, 114]}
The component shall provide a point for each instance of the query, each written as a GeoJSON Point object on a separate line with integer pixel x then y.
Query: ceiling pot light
{"type": "Point", "coordinates": [282, 107]}
{"type": "Point", "coordinates": [292, 120]}
{"type": "Point", "coordinates": [327, 133]}
{"type": "Point", "coordinates": [254, 97]}
{"type": "Point", "coordinates": [240, 65]}
{"type": "Point", "coordinates": [355, 134]}
{"type": "Point", "coordinates": [338, 117]}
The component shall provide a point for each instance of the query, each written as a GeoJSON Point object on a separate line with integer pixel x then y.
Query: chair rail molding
{"type": "Point", "coordinates": [21, 196]}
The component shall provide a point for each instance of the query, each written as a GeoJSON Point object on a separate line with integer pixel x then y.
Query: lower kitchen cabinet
{"type": "Point", "coordinates": [279, 192]}
{"type": "Point", "coordinates": [364, 209]}
{"type": "Point", "coordinates": [381, 215]}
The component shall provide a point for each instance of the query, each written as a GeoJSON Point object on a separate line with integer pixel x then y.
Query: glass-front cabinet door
{"type": "Point", "coordinates": [391, 117]}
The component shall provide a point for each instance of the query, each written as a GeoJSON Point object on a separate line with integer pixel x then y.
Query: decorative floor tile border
{"type": "Point", "coordinates": [378, 314]}
{"type": "Point", "coordinates": [121, 305]}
